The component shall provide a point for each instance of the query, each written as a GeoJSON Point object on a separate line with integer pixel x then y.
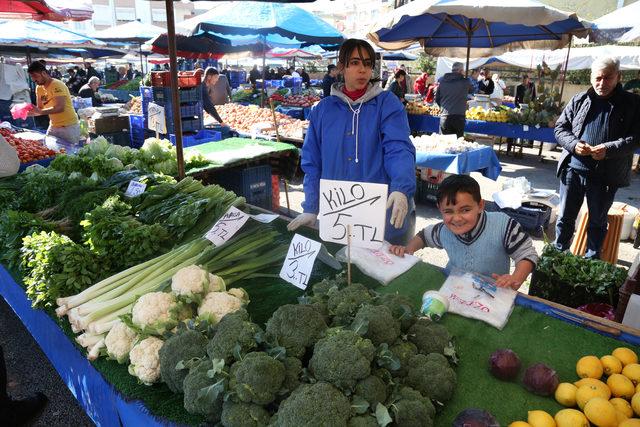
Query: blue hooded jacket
{"type": "Point", "coordinates": [366, 140]}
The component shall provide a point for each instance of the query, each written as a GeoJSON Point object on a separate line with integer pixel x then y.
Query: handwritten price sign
{"type": "Point", "coordinates": [227, 226]}
{"type": "Point", "coordinates": [156, 118]}
{"type": "Point", "coordinates": [135, 189]}
{"type": "Point", "coordinates": [299, 262]}
{"type": "Point", "coordinates": [358, 206]}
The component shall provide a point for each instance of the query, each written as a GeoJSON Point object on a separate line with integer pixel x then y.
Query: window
{"type": "Point", "coordinates": [102, 15]}
{"type": "Point", "coordinates": [159, 15]}
{"type": "Point", "coordinates": [125, 13]}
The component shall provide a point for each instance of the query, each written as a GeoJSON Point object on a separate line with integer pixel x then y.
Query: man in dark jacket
{"type": "Point", "coordinates": [599, 130]}
{"type": "Point", "coordinates": [211, 76]}
{"type": "Point", "coordinates": [451, 96]}
{"type": "Point", "coordinates": [329, 79]}
{"type": "Point", "coordinates": [485, 83]}
{"type": "Point", "coordinates": [522, 89]}
{"type": "Point", "coordinates": [254, 75]}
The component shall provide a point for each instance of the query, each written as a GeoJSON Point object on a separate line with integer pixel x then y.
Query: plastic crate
{"type": "Point", "coordinates": [192, 124]}
{"type": "Point", "coordinates": [225, 131]}
{"type": "Point", "coordinates": [138, 131]}
{"type": "Point", "coordinates": [428, 182]}
{"type": "Point", "coordinates": [162, 95]}
{"type": "Point", "coordinates": [118, 138]}
{"type": "Point", "coordinates": [186, 110]}
{"type": "Point", "coordinates": [533, 217]}
{"type": "Point", "coordinates": [253, 183]}
{"type": "Point", "coordinates": [201, 137]}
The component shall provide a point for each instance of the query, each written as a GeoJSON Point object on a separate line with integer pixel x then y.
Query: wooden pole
{"type": "Point", "coordinates": [348, 254]}
{"type": "Point", "coordinates": [275, 121]}
{"type": "Point", "coordinates": [173, 71]}
{"type": "Point", "coordinates": [466, 69]}
{"type": "Point", "coordinates": [566, 65]}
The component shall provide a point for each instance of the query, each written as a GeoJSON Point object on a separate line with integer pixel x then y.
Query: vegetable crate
{"type": "Point", "coordinates": [427, 184]}
{"type": "Point", "coordinates": [201, 137]}
{"type": "Point", "coordinates": [253, 183]}
{"type": "Point", "coordinates": [189, 124]}
{"type": "Point", "coordinates": [533, 217]}
{"type": "Point", "coordinates": [236, 78]}
{"type": "Point", "coordinates": [554, 288]}
{"type": "Point", "coordinates": [162, 95]}
{"type": "Point", "coordinates": [138, 131]}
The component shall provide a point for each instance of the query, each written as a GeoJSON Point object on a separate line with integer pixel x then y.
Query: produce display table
{"type": "Point", "coordinates": [483, 160]}
{"type": "Point", "coordinates": [53, 143]}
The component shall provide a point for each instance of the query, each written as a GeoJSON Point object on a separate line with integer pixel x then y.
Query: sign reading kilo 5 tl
{"type": "Point", "coordinates": [360, 207]}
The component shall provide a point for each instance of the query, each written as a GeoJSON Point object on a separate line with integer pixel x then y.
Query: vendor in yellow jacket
{"type": "Point", "coordinates": [53, 99]}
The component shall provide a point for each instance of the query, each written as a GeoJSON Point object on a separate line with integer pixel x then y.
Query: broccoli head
{"type": "Point", "coordinates": [342, 359]}
{"type": "Point", "coordinates": [379, 324]}
{"type": "Point", "coordinates": [235, 336]}
{"type": "Point", "coordinates": [373, 390]}
{"type": "Point", "coordinates": [292, 371]}
{"type": "Point", "coordinates": [403, 351]}
{"type": "Point", "coordinates": [343, 304]}
{"type": "Point", "coordinates": [363, 421]}
{"type": "Point", "coordinates": [429, 337]}
{"type": "Point", "coordinates": [257, 378]}
{"type": "Point", "coordinates": [314, 405]}
{"type": "Point", "coordinates": [241, 414]}
{"type": "Point", "coordinates": [401, 308]}
{"type": "Point", "coordinates": [203, 394]}
{"type": "Point", "coordinates": [295, 327]}
{"type": "Point", "coordinates": [322, 289]}
{"type": "Point", "coordinates": [186, 345]}
{"type": "Point", "coordinates": [432, 376]}
{"type": "Point", "coordinates": [411, 409]}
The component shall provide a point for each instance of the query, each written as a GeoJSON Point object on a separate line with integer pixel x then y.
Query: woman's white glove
{"type": "Point", "coordinates": [400, 208]}
{"type": "Point", "coordinates": [307, 219]}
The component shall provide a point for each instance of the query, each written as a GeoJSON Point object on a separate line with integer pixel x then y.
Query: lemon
{"type": "Point", "coordinates": [601, 412]}
{"type": "Point", "coordinates": [519, 424]}
{"type": "Point", "coordinates": [591, 381]}
{"type": "Point", "coordinates": [622, 406]}
{"type": "Point", "coordinates": [571, 418]}
{"type": "Point", "coordinates": [621, 386]}
{"type": "Point", "coordinates": [589, 367]}
{"type": "Point", "coordinates": [611, 364]}
{"type": "Point", "coordinates": [620, 416]}
{"type": "Point", "coordinates": [638, 388]}
{"type": "Point", "coordinates": [540, 419]}
{"type": "Point", "coordinates": [625, 355]}
{"type": "Point", "coordinates": [632, 371]}
{"type": "Point", "coordinates": [588, 392]}
{"type": "Point", "coordinates": [630, 422]}
{"type": "Point", "coordinates": [635, 403]}
{"type": "Point", "coordinates": [566, 394]}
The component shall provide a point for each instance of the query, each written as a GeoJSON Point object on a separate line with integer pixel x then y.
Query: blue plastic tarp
{"type": "Point", "coordinates": [483, 160]}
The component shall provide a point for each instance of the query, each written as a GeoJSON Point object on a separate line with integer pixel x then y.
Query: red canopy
{"type": "Point", "coordinates": [45, 10]}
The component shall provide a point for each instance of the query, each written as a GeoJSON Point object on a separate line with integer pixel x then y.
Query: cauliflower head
{"type": "Point", "coordinates": [119, 342]}
{"type": "Point", "coordinates": [144, 360]}
{"type": "Point", "coordinates": [194, 281]}
{"type": "Point", "coordinates": [216, 305]}
{"type": "Point", "coordinates": [155, 312]}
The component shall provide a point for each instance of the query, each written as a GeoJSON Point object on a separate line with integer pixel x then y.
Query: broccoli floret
{"type": "Point", "coordinates": [429, 337]}
{"type": "Point", "coordinates": [240, 414]}
{"type": "Point", "coordinates": [292, 371]}
{"type": "Point", "coordinates": [403, 351]}
{"type": "Point", "coordinates": [182, 347]}
{"type": "Point", "coordinates": [257, 378]}
{"type": "Point", "coordinates": [202, 394]}
{"type": "Point", "coordinates": [411, 409]}
{"type": "Point", "coordinates": [322, 289]}
{"type": "Point", "coordinates": [343, 304]}
{"type": "Point", "coordinates": [401, 308]}
{"type": "Point", "coordinates": [342, 358]}
{"type": "Point", "coordinates": [363, 421]}
{"type": "Point", "coordinates": [314, 405]}
{"type": "Point", "coordinates": [373, 390]}
{"type": "Point", "coordinates": [379, 324]}
{"type": "Point", "coordinates": [295, 327]}
{"type": "Point", "coordinates": [432, 376]}
{"type": "Point", "coordinates": [235, 336]}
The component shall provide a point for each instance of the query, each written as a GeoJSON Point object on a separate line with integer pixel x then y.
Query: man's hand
{"type": "Point", "coordinates": [307, 219]}
{"type": "Point", "coordinates": [507, 281]}
{"type": "Point", "coordinates": [582, 149]}
{"type": "Point", "coordinates": [400, 208]}
{"type": "Point", "coordinates": [598, 152]}
{"type": "Point", "coordinates": [35, 111]}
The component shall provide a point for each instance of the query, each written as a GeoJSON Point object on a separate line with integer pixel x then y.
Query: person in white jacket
{"type": "Point", "coordinates": [9, 162]}
{"type": "Point", "coordinates": [498, 89]}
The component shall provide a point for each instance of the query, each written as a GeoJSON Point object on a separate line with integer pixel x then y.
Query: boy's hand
{"type": "Point", "coordinates": [507, 281]}
{"type": "Point", "coordinates": [397, 250]}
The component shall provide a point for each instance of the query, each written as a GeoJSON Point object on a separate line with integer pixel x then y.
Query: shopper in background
{"type": "Point", "coordinates": [91, 72]}
{"type": "Point", "coordinates": [421, 83]}
{"type": "Point", "coordinates": [451, 96]}
{"type": "Point", "coordinates": [360, 133]}
{"type": "Point", "coordinates": [53, 99]}
{"type": "Point", "coordinates": [74, 82]}
{"type": "Point", "coordinates": [474, 78]}
{"type": "Point", "coordinates": [90, 90]}
{"type": "Point", "coordinates": [399, 85]}
{"type": "Point", "coordinates": [522, 89]}
{"type": "Point", "coordinates": [254, 75]}
{"type": "Point", "coordinates": [329, 79]}
{"type": "Point", "coordinates": [599, 131]}
{"type": "Point", "coordinates": [498, 89]}
{"type": "Point", "coordinates": [220, 92]}
{"type": "Point", "coordinates": [211, 77]}
{"type": "Point", "coordinates": [122, 73]}
{"type": "Point", "coordinates": [306, 80]}
{"type": "Point", "coordinates": [485, 84]}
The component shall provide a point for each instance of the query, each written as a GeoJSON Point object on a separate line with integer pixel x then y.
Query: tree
{"type": "Point", "coordinates": [426, 63]}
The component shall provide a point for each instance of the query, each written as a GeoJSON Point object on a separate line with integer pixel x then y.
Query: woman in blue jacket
{"type": "Point", "coordinates": [360, 133]}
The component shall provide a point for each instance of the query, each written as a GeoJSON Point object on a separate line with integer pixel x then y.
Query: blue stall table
{"type": "Point", "coordinates": [483, 160]}
{"type": "Point", "coordinates": [54, 144]}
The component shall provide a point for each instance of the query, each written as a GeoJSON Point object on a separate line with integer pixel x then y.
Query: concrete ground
{"type": "Point", "coordinates": [541, 175]}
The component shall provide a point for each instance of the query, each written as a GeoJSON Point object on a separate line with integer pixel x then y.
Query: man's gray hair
{"type": "Point", "coordinates": [606, 63]}
{"type": "Point", "coordinates": [94, 79]}
{"type": "Point", "coordinates": [457, 67]}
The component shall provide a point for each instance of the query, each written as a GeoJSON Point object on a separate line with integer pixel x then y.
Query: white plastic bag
{"type": "Point", "coordinates": [378, 263]}
{"type": "Point", "coordinates": [477, 297]}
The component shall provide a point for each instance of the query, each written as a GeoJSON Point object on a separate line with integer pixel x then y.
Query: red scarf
{"type": "Point", "coordinates": [356, 94]}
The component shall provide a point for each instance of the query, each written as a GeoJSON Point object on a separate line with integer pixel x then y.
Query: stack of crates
{"type": "Point", "coordinates": [253, 183]}
{"type": "Point", "coordinates": [236, 78]}
{"type": "Point", "coordinates": [190, 106]}
{"type": "Point", "coordinates": [138, 131]}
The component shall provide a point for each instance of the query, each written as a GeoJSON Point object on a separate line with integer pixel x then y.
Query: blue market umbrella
{"type": "Point", "coordinates": [15, 32]}
{"type": "Point", "coordinates": [486, 27]}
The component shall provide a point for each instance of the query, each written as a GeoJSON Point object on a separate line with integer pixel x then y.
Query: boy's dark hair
{"type": "Point", "coordinates": [330, 67]}
{"type": "Point", "coordinates": [211, 71]}
{"type": "Point", "coordinates": [36, 67]}
{"type": "Point", "coordinates": [400, 73]}
{"type": "Point", "coordinates": [455, 184]}
{"type": "Point", "coordinates": [361, 46]}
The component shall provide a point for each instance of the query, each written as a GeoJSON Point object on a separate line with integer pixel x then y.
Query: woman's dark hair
{"type": "Point", "coordinates": [399, 73]}
{"type": "Point", "coordinates": [37, 67]}
{"type": "Point", "coordinates": [210, 71]}
{"type": "Point", "coordinates": [454, 184]}
{"type": "Point", "coordinates": [361, 46]}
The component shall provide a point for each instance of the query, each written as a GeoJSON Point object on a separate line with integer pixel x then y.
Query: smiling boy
{"type": "Point", "coordinates": [476, 241]}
